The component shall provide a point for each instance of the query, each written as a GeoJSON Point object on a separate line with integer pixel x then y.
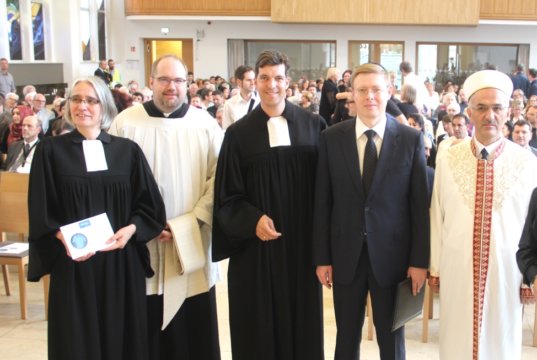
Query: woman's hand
{"type": "Point", "coordinates": [120, 239]}
{"type": "Point", "coordinates": [60, 237]}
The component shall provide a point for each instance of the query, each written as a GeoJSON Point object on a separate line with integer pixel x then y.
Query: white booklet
{"type": "Point", "coordinates": [88, 235]}
{"type": "Point", "coordinates": [13, 248]}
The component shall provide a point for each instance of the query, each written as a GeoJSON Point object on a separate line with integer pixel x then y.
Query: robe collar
{"type": "Point", "coordinates": [77, 137]}
{"type": "Point", "coordinates": [289, 113]}
{"type": "Point", "coordinates": [153, 111]}
{"type": "Point", "coordinates": [498, 150]}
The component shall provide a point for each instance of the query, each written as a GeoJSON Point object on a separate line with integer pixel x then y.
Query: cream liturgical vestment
{"type": "Point", "coordinates": [182, 151]}
{"type": "Point", "coordinates": [477, 214]}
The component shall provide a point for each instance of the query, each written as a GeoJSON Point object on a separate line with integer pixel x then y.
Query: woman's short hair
{"type": "Point", "coordinates": [108, 106]}
{"type": "Point", "coordinates": [408, 94]}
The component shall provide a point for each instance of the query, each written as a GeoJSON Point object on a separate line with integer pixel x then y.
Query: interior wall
{"type": "Point", "coordinates": [210, 50]}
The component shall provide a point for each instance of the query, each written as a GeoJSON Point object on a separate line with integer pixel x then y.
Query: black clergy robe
{"type": "Point", "coordinates": [275, 300]}
{"type": "Point", "coordinates": [97, 308]}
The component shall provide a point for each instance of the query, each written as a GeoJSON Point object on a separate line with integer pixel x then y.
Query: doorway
{"type": "Point", "coordinates": [154, 48]}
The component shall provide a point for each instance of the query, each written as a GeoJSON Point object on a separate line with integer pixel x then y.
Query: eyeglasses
{"type": "Point", "coordinates": [88, 100]}
{"type": "Point", "coordinates": [496, 108]}
{"type": "Point", "coordinates": [165, 81]}
{"type": "Point", "coordinates": [365, 91]}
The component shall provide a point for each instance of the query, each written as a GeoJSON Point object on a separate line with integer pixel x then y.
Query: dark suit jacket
{"type": "Point", "coordinates": [520, 81]}
{"type": "Point", "coordinates": [394, 217]}
{"type": "Point", "coordinates": [13, 153]}
{"type": "Point", "coordinates": [105, 76]}
{"type": "Point", "coordinates": [533, 89]}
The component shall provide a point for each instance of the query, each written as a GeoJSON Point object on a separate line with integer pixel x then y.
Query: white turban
{"type": "Point", "coordinates": [485, 79]}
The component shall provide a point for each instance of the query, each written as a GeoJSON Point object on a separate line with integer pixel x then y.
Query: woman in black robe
{"type": "Point", "coordinates": [97, 307]}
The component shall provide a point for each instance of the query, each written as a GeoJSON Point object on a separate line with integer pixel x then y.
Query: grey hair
{"type": "Point", "coordinates": [107, 104]}
{"type": "Point", "coordinates": [12, 96]}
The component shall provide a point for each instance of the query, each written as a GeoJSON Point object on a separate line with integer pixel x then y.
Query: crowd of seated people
{"type": "Point", "coordinates": [435, 110]}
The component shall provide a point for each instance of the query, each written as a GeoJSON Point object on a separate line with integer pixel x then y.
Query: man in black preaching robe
{"type": "Point", "coordinates": [263, 223]}
{"type": "Point", "coordinates": [527, 252]}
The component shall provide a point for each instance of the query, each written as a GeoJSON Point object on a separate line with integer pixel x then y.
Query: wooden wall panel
{"type": "Point", "coordinates": [417, 12]}
{"type": "Point", "coordinates": [198, 7]}
{"type": "Point", "coordinates": [508, 10]}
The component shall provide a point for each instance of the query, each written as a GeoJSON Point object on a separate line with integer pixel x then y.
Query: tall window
{"type": "Point", "coordinates": [38, 30]}
{"type": "Point", "coordinates": [101, 29]}
{"type": "Point", "coordinates": [14, 29]}
{"type": "Point", "coordinates": [308, 59]}
{"type": "Point", "coordinates": [388, 54]}
{"type": "Point", "coordinates": [93, 29]}
{"type": "Point", "coordinates": [85, 30]}
{"type": "Point", "coordinates": [440, 62]}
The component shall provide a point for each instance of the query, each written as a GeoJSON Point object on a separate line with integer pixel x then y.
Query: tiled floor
{"type": "Point", "coordinates": [26, 339]}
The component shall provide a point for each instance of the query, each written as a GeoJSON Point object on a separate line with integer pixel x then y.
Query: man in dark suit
{"type": "Point", "coordinates": [20, 153]}
{"type": "Point", "coordinates": [371, 215]}
{"type": "Point", "coordinates": [520, 81]}
{"type": "Point", "coordinates": [522, 133]}
{"type": "Point", "coordinates": [102, 72]}
{"type": "Point", "coordinates": [532, 78]}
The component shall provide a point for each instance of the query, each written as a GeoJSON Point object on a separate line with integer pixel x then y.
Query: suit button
{"type": "Point", "coordinates": [367, 208]}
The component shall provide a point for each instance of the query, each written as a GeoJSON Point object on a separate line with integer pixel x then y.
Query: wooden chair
{"type": "Point", "coordinates": [14, 219]}
{"type": "Point", "coordinates": [535, 328]}
{"type": "Point", "coordinates": [427, 312]}
{"type": "Point", "coordinates": [369, 312]}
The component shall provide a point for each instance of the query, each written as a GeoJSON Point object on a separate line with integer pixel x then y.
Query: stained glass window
{"type": "Point", "coordinates": [101, 29]}
{"type": "Point", "coordinates": [14, 29]}
{"type": "Point", "coordinates": [38, 30]}
{"type": "Point", "coordinates": [85, 30]}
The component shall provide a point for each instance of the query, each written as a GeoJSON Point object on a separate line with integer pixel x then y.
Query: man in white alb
{"type": "Point", "coordinates": [480, 198]}
{"type": "Point", "coordinates": [243, 102]}
{"type": "Point", "coordinates": [181, 144]}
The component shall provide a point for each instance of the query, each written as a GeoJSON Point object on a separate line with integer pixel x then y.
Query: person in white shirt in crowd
{"type": "Point", "coordinates": [245, 101]}
{"type": "Point", "coordinates": [40, 110]}
{"type": "Point", "coordinates": [412, 79]}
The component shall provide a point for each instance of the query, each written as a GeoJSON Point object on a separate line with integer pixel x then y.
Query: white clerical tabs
{"type": "Point", "coordinates": [94, 155]}
{"type": "Point", "coordinates": [278, 131]}
{"type": "Point", "coordinates": [88, 235]}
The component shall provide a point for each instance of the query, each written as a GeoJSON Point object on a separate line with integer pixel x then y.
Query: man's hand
{"type": "Point", "coordinates": [418, 276]}
{"type": "Point", "coordinates": [165, 235]}
{"type": "Point", "coordinates": [324, 274]}
{"type": "Point", "coordinates": [528, 295]}
{"type": "Point", "coordinates": [434, 284]}
{"type": "Point", "coordinates": [265, 229]}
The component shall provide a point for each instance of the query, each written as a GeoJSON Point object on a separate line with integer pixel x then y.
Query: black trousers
{"type": "Point", "coordinates": [191, 335]}
{"type": "Point", "coordinates": [349, 306]}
